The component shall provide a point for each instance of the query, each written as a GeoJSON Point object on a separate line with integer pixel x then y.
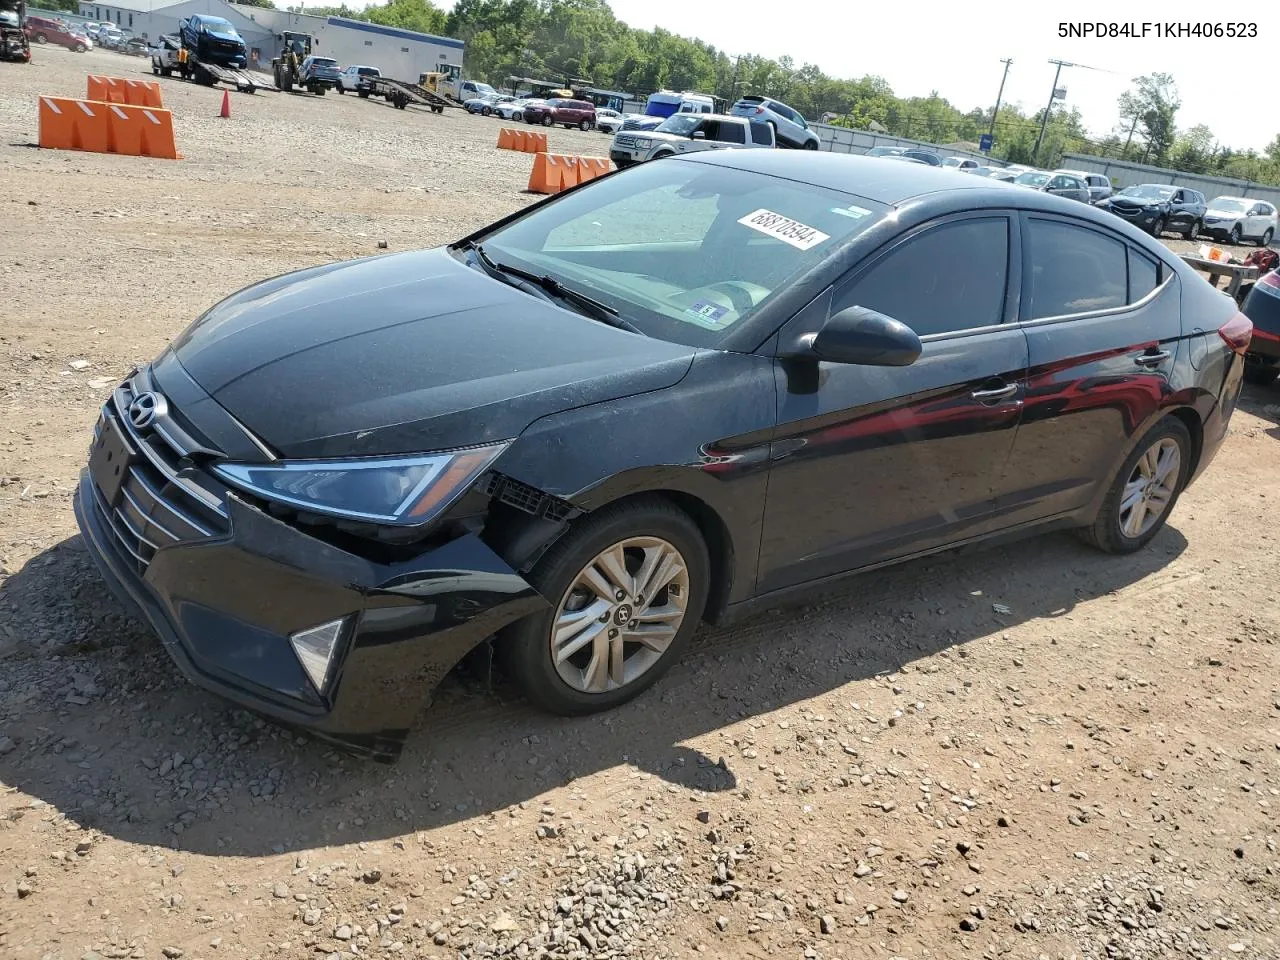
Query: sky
{"type": "Point", "coordinates": [956, 49]}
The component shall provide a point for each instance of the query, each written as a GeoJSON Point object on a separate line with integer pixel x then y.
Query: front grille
{"type": "Point", "coordinates": [624, 141]}
{"type": "Point", "coordinates": [165, 499]}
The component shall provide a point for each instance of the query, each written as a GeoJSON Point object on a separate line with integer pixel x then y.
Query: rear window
{"type": "Point", "coordinates": [761, 133]}
{"type": "Point", "coordinates": [324, 62]}
{"type": "Point", "coordinates": [369, 72]}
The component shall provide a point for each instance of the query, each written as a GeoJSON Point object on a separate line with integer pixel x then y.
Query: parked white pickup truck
{"type": "Point", "coordinates": [689, 133]}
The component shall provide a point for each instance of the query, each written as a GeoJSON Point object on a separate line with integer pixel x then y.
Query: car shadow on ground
{"type": "Point", "coordinates": [105, 730]}
{"type": "Point", "coordinates": [1263, 402]}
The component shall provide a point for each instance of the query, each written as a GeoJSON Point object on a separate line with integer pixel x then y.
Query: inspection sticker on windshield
{"type": "Point", "coordinates": [857, 213]}
{"type": "Point", "coordinates": [707, 314]}
{"type": "Point", "coordinates": [793, 232]}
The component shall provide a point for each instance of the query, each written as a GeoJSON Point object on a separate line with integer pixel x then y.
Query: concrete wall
{"type": "Point", "coordinates": [401, 54]}
{"type": "Point", "coordinates": [1123, 174]}
{"type": "Point", "coordinates": [844, 140]}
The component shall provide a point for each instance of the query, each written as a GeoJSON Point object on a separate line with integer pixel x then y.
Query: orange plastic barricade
{"type": "Point", "coordinates": [591, 167]}
{"type": "Point", "coordinates": [535, 142]}
{"type": "Point", "coordinates": [139, 93]}
{"type": "Point", "coordinates": [506, 139]}
{"type": "Point", "coordinates": [142, 132]}
{"type": "Point", "coordinates": [67, 124]}
{"type": "Point", "coordinates": [553, 173]}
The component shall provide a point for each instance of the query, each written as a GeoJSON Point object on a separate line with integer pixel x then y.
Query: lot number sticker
{"type": "Point", "coordinates": [793, 232]}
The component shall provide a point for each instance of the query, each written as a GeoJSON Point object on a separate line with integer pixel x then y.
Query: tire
{"type": "Point", "coordinates": [1233, 237]}
{"type": "Point", "coordinates": [665, 153]}
{"type": "Point", "coordinates": [341, 90]}
{"type": "Point", "coordinates": [584, 125]}
{"type": "Point", "coordinates": [1157, 228]}
{"type": "Point", "coordinates": [810, 145]}
{"type": "Point", "coordinates": [41, 38]}
{"type": "Point", "coordinates": [363, 94]}
{"type": "Point", "coordinates": [1261, 375]}
{"type": "Point", "coordinates": [1194, 230]}
{"type": "Point", "coordinates": [1266, 238]}
{"type": "Point", "coordinates": [1106, 532]}
{"type": "Point", "coordinates": [486, 111]}
{"type": "Point", "coordinates": [80, 48]}
{"type": "Point", "coordinates": [155, 70]}
{"type": "Point", "coordinates": [648, 525]}
{"type": "Point", "coordinates": [547, 121]}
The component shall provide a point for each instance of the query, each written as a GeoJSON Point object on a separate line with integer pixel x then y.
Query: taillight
{"type": "Point", "coordinates": [1271, 279]}
{"type": "Point", "coordinates": [759, 109]}
{"type": "Point", "coordinates": [1237, 332]}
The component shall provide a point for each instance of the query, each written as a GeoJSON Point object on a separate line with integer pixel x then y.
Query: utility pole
{"type": "Point", "coordinates": [1053, 95]}
{"type": "Point", "coordinates": [999, 96]}
{"type": "Point", "coordinates": [733, 87]}
{"type": "Point", "coordinates": [1132, 127]}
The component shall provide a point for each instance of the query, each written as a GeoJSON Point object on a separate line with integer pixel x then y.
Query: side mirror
{"type": "Point", "coordinates": [860, 336]}
{"type": "Point", "coordinates": [698, 135]}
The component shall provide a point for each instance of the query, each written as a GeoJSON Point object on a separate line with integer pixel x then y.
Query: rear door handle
{"type": "Point", "coordinates": [1152, 359]}
{"type": "Point", "coordinates": [998, 393]}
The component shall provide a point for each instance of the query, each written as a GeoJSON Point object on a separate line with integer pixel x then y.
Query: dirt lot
{"type": "Point", "coordinates": [1032, 751]}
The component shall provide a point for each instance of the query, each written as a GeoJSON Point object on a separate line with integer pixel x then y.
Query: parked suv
{"type": "Point", "coordinates": [214, 40]}
{"type": "Point", "coordinates": [789, 127]}
{"type": "Point", "coordinates": [689, 133]}
{"type": "Point", "coordinates": [1159, 207]}
{"type": "Point", "coordinates": [44, 30]}
{"type": "Point", "coordinates": [356, 79]}
{"type": "Point", "coordinates": [569, 113]}
{"type": "Point", "coordinates": [1057, 182]}
{"type": "Point", "coordinates": [319, 74]}
{"type": "Point", "coordinates": [1238, 218]}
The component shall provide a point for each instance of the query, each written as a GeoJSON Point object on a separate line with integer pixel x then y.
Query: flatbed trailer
{"type": "Point", "coordinates": [210, 73]}
{"type": "Point", "coordinates": [401, 93]}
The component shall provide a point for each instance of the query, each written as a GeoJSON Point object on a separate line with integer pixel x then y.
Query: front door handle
{"type": "Point", "coordinates": [997, 393]}
{"type": "Point", "coordinates": [1152, 359]}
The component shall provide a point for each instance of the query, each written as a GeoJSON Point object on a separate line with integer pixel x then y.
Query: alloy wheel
{"type": "Point", "coordinates": [1150, 487]}
{"type": "Point", "coordinates": [619, 615]}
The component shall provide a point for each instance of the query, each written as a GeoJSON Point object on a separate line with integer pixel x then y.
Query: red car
{"type": "Point", "coordinates": [570, 113]}
{"type": "Point", "coordinates": [44, 30]}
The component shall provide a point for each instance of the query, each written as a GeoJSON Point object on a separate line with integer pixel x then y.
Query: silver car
{"type": "Point", "coordinates": [790, 128]}
{"type": "Point", "coordinates": [1099, 185]}
{"type": "Point", "coordinates": [689, 133]}
{"type": "Point", "coordinates": [1056, 182]}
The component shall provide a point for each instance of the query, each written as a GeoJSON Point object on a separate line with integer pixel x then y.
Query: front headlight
{"type": "Point", "coordinates": [400, 491]}
{"type": "Point", "coordinates": [643, 143]}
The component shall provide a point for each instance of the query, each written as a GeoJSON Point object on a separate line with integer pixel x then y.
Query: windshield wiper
{"type": "Point", "coordinates": [548, 284]}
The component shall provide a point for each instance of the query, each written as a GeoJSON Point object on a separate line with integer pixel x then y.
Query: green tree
{"type": "Point", "coordinates": [1154, 105]}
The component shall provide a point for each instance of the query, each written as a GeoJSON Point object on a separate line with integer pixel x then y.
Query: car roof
{"type": "Point", "coordinates": [891, 184]}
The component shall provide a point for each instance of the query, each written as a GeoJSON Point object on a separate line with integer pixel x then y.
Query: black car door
{"type": "Point", "coordinates": [874, 463]}
{"type": "Point", "coordinates": [1103, 326]}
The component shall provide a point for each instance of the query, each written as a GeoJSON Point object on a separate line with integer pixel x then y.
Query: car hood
{"type": "Point", "coordinates": [408, 353]}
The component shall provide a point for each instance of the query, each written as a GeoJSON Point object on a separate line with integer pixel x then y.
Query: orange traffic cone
{"type": "Point", "coordinates": [225, 113]}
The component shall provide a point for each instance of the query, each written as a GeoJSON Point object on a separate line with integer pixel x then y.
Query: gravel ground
{"type": "Point", "coordinates": [1031, 751]}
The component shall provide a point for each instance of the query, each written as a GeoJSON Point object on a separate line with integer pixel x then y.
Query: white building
{"type": "Point", "coordinates": [155, 18]}
{"type": "Point", "coordinates": [401, 54]}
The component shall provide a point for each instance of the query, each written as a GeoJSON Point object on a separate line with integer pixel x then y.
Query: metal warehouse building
{"type": "Point", "coordinates": [402, 54]}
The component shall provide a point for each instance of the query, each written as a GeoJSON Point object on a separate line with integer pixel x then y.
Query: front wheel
{"type": "Point", "coordinates": [80, 48]}
{"type": "Point", "coordinates": [628, 585]}
{"type": "Point", "coordinates": [811, 145]}
{"type": "Point", "coordinates": [1157, 228]}
{"type": "Point", "coordinates": [1144, 490]}
{"type": "Point", "coordinates": [41, 38]}
{"type": "Point", "coordinates": [341, 90]}
{"type": "Point", "coordinates": [1233, 237]}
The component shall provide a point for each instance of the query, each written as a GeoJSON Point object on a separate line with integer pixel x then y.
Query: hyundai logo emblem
{"type": "Point", "coordinates": [146, 408]}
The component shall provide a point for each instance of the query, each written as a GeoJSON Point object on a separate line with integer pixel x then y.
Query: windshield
{"type": "Point", "coordinates": [484, 89]}
{"type": "Point", "coordinates": [216, 25]}
{"type": "Point", "coordinates": [671, 245]}
{"type": "Point", "coordinates": [682, 124]}
{"type": "Point", "coordinates": [369, 72]}
{"type": "Point", "coordinates": [951, 162]}
{"type": "Point", "coordinates": [1147, 191]}
{"type": "Point", "coordinates": [1032, 179]}
{"type": "Point", "coordinates": [1229, 205]}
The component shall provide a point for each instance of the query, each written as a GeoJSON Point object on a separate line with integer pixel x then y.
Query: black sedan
{"type": "Point", "coordinates": [675, 394]}
{"type": "Point", "coordinates": [1158, 207]}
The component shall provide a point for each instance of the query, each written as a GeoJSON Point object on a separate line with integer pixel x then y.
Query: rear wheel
{"type": "Point", "coordinates": [1144, 490]}
{"type": "Point", "coordinates": [1266, 238]}
{"type": "Point", "coordinates": [628, 586]}
{"type": "Point", "coordinates": [584, 125]}
{"type": "Point", "coordinates": [364, 94]}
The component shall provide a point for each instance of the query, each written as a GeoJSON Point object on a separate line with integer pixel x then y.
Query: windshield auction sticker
{"type": "Point", "coordinates": [793, 232]}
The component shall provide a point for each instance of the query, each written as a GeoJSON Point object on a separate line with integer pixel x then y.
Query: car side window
{"type": "Point", "coordinates": [1058, 182]}
{"type": "Point", "coordinates": [710, 129]}
{"type": "Point", "coordinates": [1144, 275]}
{"type": "Point", "coordinates": [1179, 197]}
{"type": "Point", "coordinates": [732, 132]}
{"type": "Point", "coordinates": [760, 133]}
{"type": "Point", "coordinates": [1072, 269]}
{"type": "Point", "coordinates": [947, 279]}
